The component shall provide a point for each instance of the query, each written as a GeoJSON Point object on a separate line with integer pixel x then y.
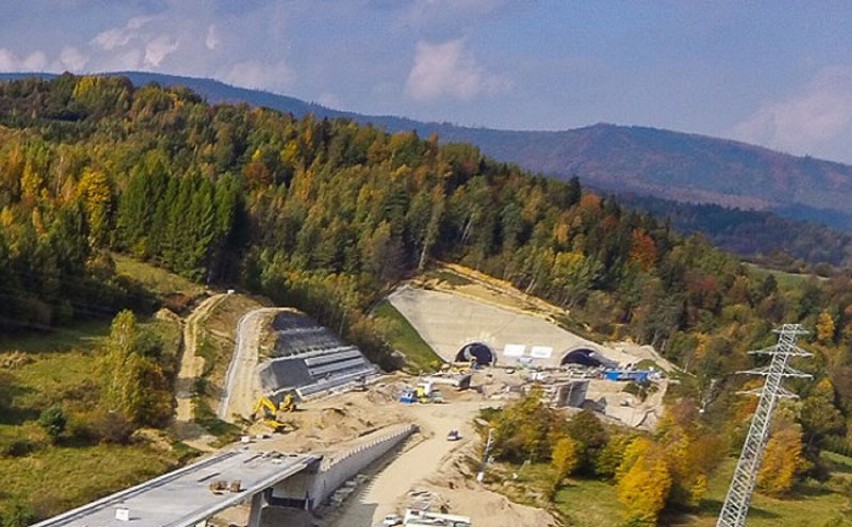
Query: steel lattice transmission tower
{"type": "Point", "coordinates": [735, 509]}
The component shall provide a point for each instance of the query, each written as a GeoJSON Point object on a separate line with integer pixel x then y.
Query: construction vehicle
{"type": "Point", "coordinates": [272, 415]}
{"type": "Point", "coordinates": [427, 393]}
{"type": "Point", "coordinates": [423, 393]}
{"type": "Point", "coordinates": [408, 396]}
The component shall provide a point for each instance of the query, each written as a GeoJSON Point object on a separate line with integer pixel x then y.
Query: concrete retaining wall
{"type": "Point", "coordinates": [334, 471]}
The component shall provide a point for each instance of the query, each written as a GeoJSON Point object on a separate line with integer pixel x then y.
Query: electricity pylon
{"type": "Point", "coordinates": [738, 499]}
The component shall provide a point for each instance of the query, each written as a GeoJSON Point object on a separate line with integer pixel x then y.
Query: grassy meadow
{"type": "Point", "coordinates": [594, 503]}
{"type": "Point", "coordinates": [38, 371]}
{"type": "Point", "coordinates": [402, 336]}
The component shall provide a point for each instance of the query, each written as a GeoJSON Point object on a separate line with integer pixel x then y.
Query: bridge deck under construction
{"type": "Point", "coordinates": [184, 497]}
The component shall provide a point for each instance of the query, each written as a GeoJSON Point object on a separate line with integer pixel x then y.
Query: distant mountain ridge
{"type": "Point", "coordinates": [661, 163]}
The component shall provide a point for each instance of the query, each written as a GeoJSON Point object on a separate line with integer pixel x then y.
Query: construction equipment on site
{"type": "Point", "coordinates": [427, 393]}
{"type": "Point", "coordinates": [738, 499]}
{"type": "Point", "coordinates": [271, 414]}
{"type": "Point", "coordinates": [408, 396]}
{"type": "Point", "coordinates": [423, 393]}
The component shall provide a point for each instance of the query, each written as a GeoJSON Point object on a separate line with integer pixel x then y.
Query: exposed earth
{"type": "Point", "coordinates": [428, 467]}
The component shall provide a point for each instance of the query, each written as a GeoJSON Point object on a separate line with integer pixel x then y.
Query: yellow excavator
{"type": "Point", "coordinates": [271, 414]}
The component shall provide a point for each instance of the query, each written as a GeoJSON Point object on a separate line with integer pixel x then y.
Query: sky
{"type": "Point", "coordinates": [774, 73]}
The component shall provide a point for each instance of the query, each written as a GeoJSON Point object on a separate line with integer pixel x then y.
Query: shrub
{"type": "Point", "coordinates": [112, 427]}
{"type": "Point", "coordinates": [53, 421]}
{"type": "Point", "coordinates": [18, 514]}
{"type": "Point", "coordinates": [17, 447]}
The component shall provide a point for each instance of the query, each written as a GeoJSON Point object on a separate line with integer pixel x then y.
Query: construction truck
{"type": "Point", "coordinates": [273, 415]}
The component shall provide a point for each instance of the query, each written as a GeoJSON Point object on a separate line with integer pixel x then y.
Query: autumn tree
{"type": "Point", "coordinates": [95, 192]}
{"type": "Point", "coordinates": [135, 381]}
{"type": "Point", "coordinates": [589, 436]}
{"type": "Point", "coordinates": [643, 482]}
{"type": "Point", "coordinates": [563, 460]}
{"type": "Point", "coordinates": [523, 429]}
{"type": "Point", "coordinates": [782, 459]}
{"type": "Point", "coordinates": [820, 416]}
{"type": "Point", "coordinates": [692, 452]}
{"type": "Point", "coordinates": [825, 327]}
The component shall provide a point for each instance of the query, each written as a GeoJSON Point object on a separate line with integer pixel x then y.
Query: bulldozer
{"type": "Point", "coordinates": [272, 415]}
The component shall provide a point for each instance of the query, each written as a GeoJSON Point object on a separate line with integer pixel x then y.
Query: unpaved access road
{"type": "Point", "coordinates": [382, 495]}
{"type": "Point", "coordinates": [432, 465]}
{"type": "Point", "coordinates": [191, 365]}
{"type": "Point", "coordinates": [242, 385]}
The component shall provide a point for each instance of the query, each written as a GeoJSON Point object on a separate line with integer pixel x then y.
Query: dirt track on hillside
{"type": "Point", "coordinates": [191, 365]}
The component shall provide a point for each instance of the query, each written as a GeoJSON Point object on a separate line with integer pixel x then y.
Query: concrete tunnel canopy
{"type": "Point", "coordinates": [482, 352]}
{"type": "Point", "coordinates": [448, 322]}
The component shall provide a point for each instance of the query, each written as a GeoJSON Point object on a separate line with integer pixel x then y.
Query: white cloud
{"type": "Point", "coordinates": [262, 75]}
{"type": "Point", "coordinates": [121, 36]}
{"type": "Point", "coordinates": [72, 59]}
{"type": "Point", "coordinates": [243, 47]}
{"type": "Point", "coordinates": [158, 49]}
{"type": "Point", "coordinates": [212, 40]}
{"type": "Point", "coordinates": [807, 121]}
{"type": "Point", "coordinates": [448, 70]}
{"type": "Point", "coordinates": [8, 61]}
{"type": "Point", "coordinates": [35, 61]}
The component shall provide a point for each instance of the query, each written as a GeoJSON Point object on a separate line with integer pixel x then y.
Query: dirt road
{"type": "Point", "coordinates": [191, 365]}
{"type": "Point", "coordinates": [433, 464]}
{"type": "Point", "coordinates": [242, 385]}
{"type": "Point", "coordinates": [382, 495]}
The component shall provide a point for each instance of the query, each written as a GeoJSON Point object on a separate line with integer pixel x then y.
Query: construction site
{"type": "Point", "coordinates": [312, 393]}
{"type": "Point", "coordinates": [390, 448]}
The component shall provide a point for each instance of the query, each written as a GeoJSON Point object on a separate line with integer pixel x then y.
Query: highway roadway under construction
{"type": "Point", "coordinates": [192, 494]}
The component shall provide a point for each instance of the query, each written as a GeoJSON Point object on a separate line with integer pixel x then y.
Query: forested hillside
{"type": "Point", "coordinates": [779, 241]}
{"type": "Point", "coordinates": [326, 215]}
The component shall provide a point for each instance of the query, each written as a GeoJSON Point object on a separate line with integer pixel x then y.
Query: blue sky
{"type": "Point", "coordinates": [776, 73]}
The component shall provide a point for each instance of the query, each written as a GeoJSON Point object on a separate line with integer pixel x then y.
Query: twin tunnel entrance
{"type": "Point", "coordinates": [485, 356]}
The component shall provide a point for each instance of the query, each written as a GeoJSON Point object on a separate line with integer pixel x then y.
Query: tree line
{"type": "Point", "coordinates": [326, 215]}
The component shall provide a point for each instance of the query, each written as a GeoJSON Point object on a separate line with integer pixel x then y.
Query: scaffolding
{"type": "Point", "coordinates": [738, 499]}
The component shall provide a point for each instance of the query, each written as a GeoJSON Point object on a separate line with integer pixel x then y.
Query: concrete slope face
{"type": "Point", "coordinates": [309, 358]}
{"type": "Point", "coordinates": [451, 324]}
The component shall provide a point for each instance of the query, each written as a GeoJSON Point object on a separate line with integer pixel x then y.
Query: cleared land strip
{"type": "Point", "coordinates": [191, 365]}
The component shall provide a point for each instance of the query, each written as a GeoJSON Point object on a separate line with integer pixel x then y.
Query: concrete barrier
{"type": "Point", "coordinates": [337, 469]}
{"type": "Point", "coordinates": [308, 489]}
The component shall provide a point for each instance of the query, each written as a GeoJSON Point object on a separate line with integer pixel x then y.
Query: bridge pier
{"type": "Point", "coordinates": [257, 503]}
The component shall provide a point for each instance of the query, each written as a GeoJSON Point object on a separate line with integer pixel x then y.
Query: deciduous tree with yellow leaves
{"type": "Point", "coordinates": [783, 460]}
{"type": "Point", "coordinates": [644, 482]}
